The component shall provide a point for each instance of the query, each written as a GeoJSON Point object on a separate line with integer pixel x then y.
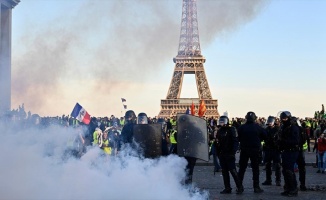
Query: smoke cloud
{"type": "Point", "coordinates": [32, 167]}
{"type": "Point", "coordinates": [108, 46]}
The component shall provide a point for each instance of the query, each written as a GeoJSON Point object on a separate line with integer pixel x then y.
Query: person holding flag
{"type": "Point", "coordinates": [81, 114]}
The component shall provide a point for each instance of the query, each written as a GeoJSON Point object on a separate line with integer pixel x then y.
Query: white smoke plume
{"type": "Point", "coordinates": [32, 167]}
{"type": "Point", "coordinates": [104, 47]}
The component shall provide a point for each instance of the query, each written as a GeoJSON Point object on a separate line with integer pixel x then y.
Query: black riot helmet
{"type": "Point", "coordinates": [223, 121]}
{"type": "Point", "coordinates": [162, 122]}
{"type": "Point", "coordinates": [130, 116]}
{"type": "Point", "coordinates": [270, 121]}
{"type": "Point", "coordinates": [142, 118]}
{"type": "Point", "coordinates": [285, 115]}
{"type": "Point", "coordinates": [286, 118]}
{"type": "Point", "coordinates": [251, 117]}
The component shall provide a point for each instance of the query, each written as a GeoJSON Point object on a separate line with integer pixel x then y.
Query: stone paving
{"type": "Point", "coordinates": [205, 179]}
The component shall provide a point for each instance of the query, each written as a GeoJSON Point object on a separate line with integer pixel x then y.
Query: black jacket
{"type": "Point", "coordinates": [227, 141]}
{"type": "Point", "coordinates": [289, 138]}
{"type": "Point", "coordinates": [270, 142]}
{"type": "Point", "coordinates": [250, 136]}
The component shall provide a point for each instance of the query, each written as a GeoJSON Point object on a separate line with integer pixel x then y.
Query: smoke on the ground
{"type": "Point", "coordinates": [33, 166]}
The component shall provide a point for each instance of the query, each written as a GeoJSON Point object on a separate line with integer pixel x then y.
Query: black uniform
{"type": "Point", "coordinates": [301, 161]}
{"type": "Point", "coordinates": [191, 161]}
{"type": "Point", "coordinates": [272, 153]}
{"type": "Point", "coordinates": [226, 148]}
{"type": "Point", "coordinates": [289, 146]}
{"type": "Point", "coordinates": [127, 131]}
{"type": "Point", "coordinates": [250, 136]}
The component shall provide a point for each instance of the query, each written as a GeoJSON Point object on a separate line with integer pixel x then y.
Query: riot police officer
{"type": "Point", "coordinates": [272, 152]}
{"type": "Point", "coordinates": [226, 148]}
{"type": "Point", "coordinates": [289, 146]}
{"type": "Point", "coordinates": [127, 130]}
{"type": "Point", "coordinates": [142, 118]}
{"type": "Point", "coordinates": [191, 161]}
{"type": "Point", "coordinates": [250, 136]}
{"type": "Point", "coordinates": [165, 148]}
{"type": "Point", "coordinates": [301, 161]}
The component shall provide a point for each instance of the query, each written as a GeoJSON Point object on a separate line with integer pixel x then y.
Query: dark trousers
{"type": "Point", "coordinates": [275, 156]}
{"type": "Point", "coordinates": [227, 162]}
{"type": "Point", "coordinates": [191, 162]}
{"type": "Point", "coordinates": [253, 155]}
{"type": "Point", "coordinates": [289, 158]}
{"type": "Point", "coordinates": [302, 167]}
{"type": "Point", "coordinates": [215, 159]}
{"type": "Point", "coordinates": [228, 166]}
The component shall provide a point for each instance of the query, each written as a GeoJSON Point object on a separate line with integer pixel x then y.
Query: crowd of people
{"type": "Point", "coordinates": [277, 142]}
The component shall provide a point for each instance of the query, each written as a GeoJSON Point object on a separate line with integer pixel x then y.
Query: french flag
{"type": "Point", "coordinates": [81, 114]}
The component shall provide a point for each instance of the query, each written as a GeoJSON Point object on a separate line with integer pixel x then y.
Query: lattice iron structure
{"type": "Point", "coordinates": [188, 61]}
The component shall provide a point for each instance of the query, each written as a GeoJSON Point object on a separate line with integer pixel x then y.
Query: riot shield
{"type": "Point", "coordinates": [192, 137]}
{"type": "Point", "coordinates": [149, 138]}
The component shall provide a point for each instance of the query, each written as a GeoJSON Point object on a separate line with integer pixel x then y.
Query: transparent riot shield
{"type": "Point", "coordinates": [192, 137]}
{"type": "Point", "coordinates": [149, 138]}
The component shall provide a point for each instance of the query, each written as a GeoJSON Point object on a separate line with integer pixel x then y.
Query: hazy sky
{"type": "Point", "coordinates": [261, 56]}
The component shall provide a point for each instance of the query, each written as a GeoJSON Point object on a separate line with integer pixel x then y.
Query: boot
{"type": "Point", "coordinates": [289, 187]}
{"type": "Point", "coordinates": [278, 183]}
{"type": "Point", "coordinates": [303, 184]}
{"type": "Point", "coordinates": [226, 180]}
{"type": "Point", "coordinates": [226, 191]}
{"type": "Point", "coordinates": [303, 188]}
{"type": "Point", "coordinates": [216, 170]}
{"type": "Point", "coordinates": [267, 182]}
{"type": "Point", "coordinates": [237, 181]}
{"type": "Point", "coordinates": [278, 174]}
{"type": "Point", "coordinates": [188, 180]}
{"type": "Point", "coordinates": [285, 188]}
{"type": "Point", "coordinates": [293, 193]}
{"type": "Point", "coordinates": [257, 189]}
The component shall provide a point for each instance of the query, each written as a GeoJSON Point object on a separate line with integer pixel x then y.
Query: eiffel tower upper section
{"type": "Point", "coordinates": [189, 35]}
{"type": "Point", "coordinates": [188, 61]}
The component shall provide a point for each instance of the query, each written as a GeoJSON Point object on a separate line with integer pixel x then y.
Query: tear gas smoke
{"type": "Point", "coordinates": [100, 48]}
{"type": "Point", "coordinates": [33, 167]}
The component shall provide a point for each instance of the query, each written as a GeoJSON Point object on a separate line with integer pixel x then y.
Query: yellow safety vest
{"type": "Point", "coordinates": [305, 146]}
{"type": "Point", "coordinates": [95, 139]}
{"type": "Point", "coordinates": [122, 122]}
{"type": "Point", "coordinates": [172, 138]}
{"type": "Point", "coordinates": [106, 147]}
{"type": "Point", "coordinates": [173, 122]}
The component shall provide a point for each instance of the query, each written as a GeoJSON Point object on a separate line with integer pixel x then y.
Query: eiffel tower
{"type": "Point", "coordinates": [188, 61]}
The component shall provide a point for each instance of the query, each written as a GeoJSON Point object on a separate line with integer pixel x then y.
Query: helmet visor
{"type": "Point", "coordinates": [142, 120]}
{"type": "Point", "coordinates": [270, 121]}
{"type": "Point", "coordinates": [223, 121]}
